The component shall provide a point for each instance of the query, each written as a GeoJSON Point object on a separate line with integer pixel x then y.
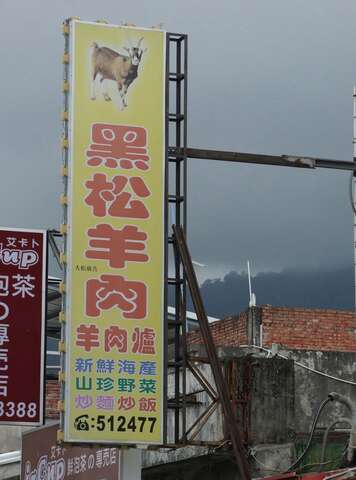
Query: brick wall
{"type": "Point", "coordinates": [52, 397]}
{"type": "Point", "coordinates": [230, 331]}
{"type": "Point", "coordinates": [294, 328]}
{"type": "Point", "coordinates": [309, 329]}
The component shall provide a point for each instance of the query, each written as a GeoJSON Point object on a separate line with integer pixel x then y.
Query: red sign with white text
{"type": "Point", "coordinates": [23, 278]}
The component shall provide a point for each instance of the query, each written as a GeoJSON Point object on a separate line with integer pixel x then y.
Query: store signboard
{"type": "Point", "coordinates": [23, 278]}
{"type": "Point", "coordinates": [42, 458]}
{"type": "Point", "coordinates": [115, 223]}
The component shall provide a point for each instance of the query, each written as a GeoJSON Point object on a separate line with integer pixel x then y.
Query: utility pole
{"type": "Point", "coordinates": [353, 189]}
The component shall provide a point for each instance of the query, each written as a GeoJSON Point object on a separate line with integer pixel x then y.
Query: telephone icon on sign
{"type": "Point", "coordinates": [81, 424]}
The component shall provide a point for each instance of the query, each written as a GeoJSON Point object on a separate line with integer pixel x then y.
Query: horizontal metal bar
{"type": "Point", "coordinates": [261, 159]}
{"type": "Point", "coordinates": [10, 457]}
{"type": "Point", "coordinates": [55, 330]}
{"type": "Point", "coordinates": [55, 233]}
{"type": "Point", "coordinates": [53, 352]}
{"type": "Point", "coordinates": [174, 117]}
{"type": "Point", "coordinates": [176, 77]}
{"type": "Point", "coordinates": [336, 164]}
{"type": "Point", "coordinates": [176, 406]}
{"type": "Point", "coordinates": [175, 364]}
{"type": "Point", "coordinates": [176, 159]}
{"type": "Point", "coordinates": [173, 281]}
{"type": "Point", "coordinates": [173, 323]}
{"type": "Point", "coordinates": [175, 198]}
{"type": "Point", "coordinates": [176, 37]}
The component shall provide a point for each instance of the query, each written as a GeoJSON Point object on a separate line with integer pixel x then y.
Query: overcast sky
{"type": "Point", "coordinates": [270, 76]}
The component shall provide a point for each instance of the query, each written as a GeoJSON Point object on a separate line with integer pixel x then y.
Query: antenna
{"type": "Point", "coordinates": [252, 302]}
{"type": "Point", "coordinates": [198, 264]}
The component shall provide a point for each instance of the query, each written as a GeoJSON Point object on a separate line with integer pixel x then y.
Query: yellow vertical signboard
{"type": "Point", "coordinates": [115, 270]}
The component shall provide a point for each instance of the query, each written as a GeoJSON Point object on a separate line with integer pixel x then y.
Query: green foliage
{"type": "Point", "coordinates": [333, 457]}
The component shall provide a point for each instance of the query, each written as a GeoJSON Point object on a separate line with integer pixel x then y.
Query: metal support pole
{"type": "Point", "coordinates": [353, 189]}
{"type": "Point", "coordinates": [220, 382]}
{"type": "Point", "coordinates": [176, 108]}
{"type": "Point", "coordinates": [302, 161]}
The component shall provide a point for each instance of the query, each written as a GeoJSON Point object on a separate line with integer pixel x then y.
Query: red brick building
{"type": "Point", "coordinates": [293, 328]}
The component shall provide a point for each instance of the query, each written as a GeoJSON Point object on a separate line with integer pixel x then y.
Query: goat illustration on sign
{"type": "Point", "coordinates": [122, 68]}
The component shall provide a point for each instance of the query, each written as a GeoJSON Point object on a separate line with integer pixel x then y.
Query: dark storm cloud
{"type": "Point", "coordinates": [273, 77]}
{"type": "Point", "coordinates": [289, 288]}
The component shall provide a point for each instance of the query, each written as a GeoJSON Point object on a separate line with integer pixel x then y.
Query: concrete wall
{"type": "Point", "coordinates": [311, 389]}
{"type": "Point", "coordinates": [271, 380]}
{"type": "Point", "coordinates": [10, 438]}
{"type": "Point", "coordinates": [265, 398]}
{"type": "Point", "coordinates": [11, 435]}
{"type": "Point", "coordinates": [324, 340]}
{"type": "Point", "coordinates": [262, 391]}
{"type": "Point", "coordinates": [10, 441]}
{"type": "Point", "coordinates": [272, 386]}
{"type": "Point", "coordinates": [10, 471]}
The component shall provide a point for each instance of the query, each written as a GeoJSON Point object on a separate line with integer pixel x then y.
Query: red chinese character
{"type": "Point", "coordinates": [147, 404]}
{"type": "Point", "coordinates": [87, 337]}
{"type": "Point", "coordinates": [124, 205]}
{"type": "Point", "coordinates": [115, 291]}
{"type": "Point", "coordinates": [115, 337]}
{"type": "Point", "coordinates": [117, 246]}
{"type": "Point", "coordinates": [100, 193]}
{"type": "Point", "coordinates": [111, 194]}
{"type": "Point", "coordinates": [144, 341]}
{"type": "Point", "coordinates": [125, 403]}
{"type": "Point", "coordinates": [118, 145]}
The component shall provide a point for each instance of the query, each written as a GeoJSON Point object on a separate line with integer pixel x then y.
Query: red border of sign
{"type": "Point", "coordinates": [43, 325]}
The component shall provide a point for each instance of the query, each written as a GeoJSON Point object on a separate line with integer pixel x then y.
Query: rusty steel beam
{"type": "Point", "coordinates": [199, 423]}
{"type": "Point", "coordinates": [300, 161]}
{"type": "Point", "coordinates": [201, 416]}
{"type": "Point", "coordinates": [202, 380]}
{"type": "Point", "coordinates": [236, 439]}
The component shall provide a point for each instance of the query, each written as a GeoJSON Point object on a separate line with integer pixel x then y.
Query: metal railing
{"type": "Point", "coordinates": [10, 457]}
